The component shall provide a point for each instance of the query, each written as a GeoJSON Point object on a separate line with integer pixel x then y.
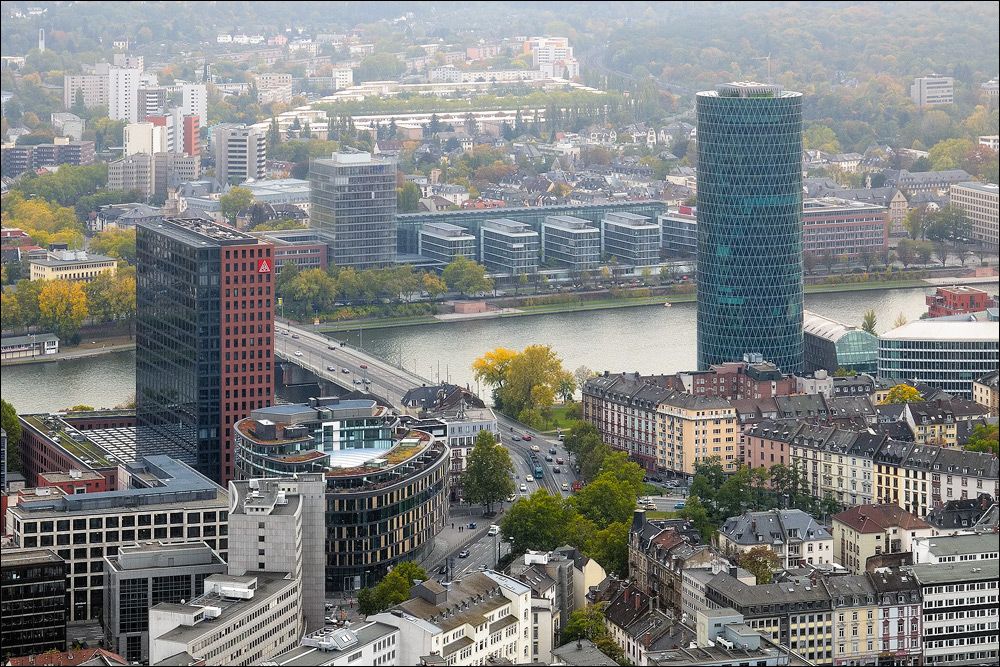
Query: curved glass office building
{"type": "Point", "coordinates": [750, 224]}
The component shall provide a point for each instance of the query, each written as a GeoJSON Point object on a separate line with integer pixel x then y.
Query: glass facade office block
{"type": "Point", "coordinates": [830, 345]}
{"type": "Point", "coordinates": [631, 239]}
{"type": "Point", "coordinates": [750, 225]}
{"type": "Point", "coordinates": [203, 303]}
{"type": "Point", "coordinates": [409, 224]}
{"type": "Point", "coordinates": [177, 347]}
{"type": "Point", "coordinates": [444, 242]}
{"type": "Point", "coordinates": [858, 351]}
{"type": "Point", "coordinates": [948, 355]}
{"type": "Point", "coordinates": [572, 242]}
{"type": "Point", "coordinates": [509, 247]}
{"type": "Point", "coordinates": [33, 602]}
{"type": "Point", "coordinates": [353, 206]}
{"type": "Point", "coordinates": [679, 233]}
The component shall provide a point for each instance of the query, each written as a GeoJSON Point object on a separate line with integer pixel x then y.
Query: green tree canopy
{"type": "Point", "coordinates": [984, 439]}
{"type": "Point", "coordinates": [761, 562]}
{"type": "Point", "coordinates": [537, 522]}
{"type": "Point", "coordinates": [234, 201]}
{"type": "Point", "coordinates": [588, 623]}
{"type": "Point", "coordinates": [407, 198]}
{"type": "Point", "coordinates": [488, 477]}
{"type": "Point", "coordinates": [605, 501]}
{"type": "Point", "coordinates": [466, 276]}
{"type": "Point", "coordinates": [869, 322]}
{"type": "Point", "coordinates": [392, 590]}
{"type": "Point", "coordinates": [10, 424]}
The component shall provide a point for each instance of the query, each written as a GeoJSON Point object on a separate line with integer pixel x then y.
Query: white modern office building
{"type": "Point", "coordinates": [508, 247]}
{"type": "Point", "coordinates": [194, 100]}
{"type": "Point", "coordinates": [572, 242]}
{"type": "Point", "coordinates": [634, 240]}
{"type": "Point", "coordinates": [444, 242]}
{"type": "Point", "coordinates": [932, 90]}
{"type": "Point", "coordinates": [945, 354]}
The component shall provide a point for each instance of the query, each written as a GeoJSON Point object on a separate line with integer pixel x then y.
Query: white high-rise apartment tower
{"type": "Point", "coordinates": [194, 101]}
{"type": "Point", "coordinates": [123, 93]}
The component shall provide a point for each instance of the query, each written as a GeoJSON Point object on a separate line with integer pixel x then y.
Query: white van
{"type": "Point", "coordinates": [494, 529]}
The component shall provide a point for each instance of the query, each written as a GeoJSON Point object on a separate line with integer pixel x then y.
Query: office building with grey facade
{"type": "Point", "coordinates": [145, 574]}
{"type": "Point", "coordinates": [353, 206]}
{"type": "Point", "coordinates": [278, 524]}
{"type": "Point", "coordinates": [634, 240]}
{"type": "Point", "coordinates": [444, 242]}
{"type": "Point", "coordinates": [240, 153]}
{"type": "Point", "coordinates": [508, 247]}
{"type": "Point", "coordinates": [572, 242]}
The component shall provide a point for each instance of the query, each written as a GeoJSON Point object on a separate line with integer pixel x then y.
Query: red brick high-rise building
{"type": "Point", "coordinates": [204, 339]}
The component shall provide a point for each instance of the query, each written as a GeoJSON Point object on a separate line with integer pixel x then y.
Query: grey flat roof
{"type": "Point", "coordinates": [954, 545]}
{"type": "Point", "coordinates": [582, 653]}
{"type": "Point", "coordinates": [947, 573]}
{"type": "Point", "coordinates": [944, 331]}
{"type": "Point", "coordinates": [198, 232]}
{"type": "Point", "coordinates": [269, 584]}
{"type": "Point", "coordinates": [310, 656]}
{"type": "Point", "coordinates": [13, 341]}
{"type": "Point", "coordinates": [183, 486]}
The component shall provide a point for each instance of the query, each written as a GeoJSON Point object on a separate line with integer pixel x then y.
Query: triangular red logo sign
{"type": "Point", "coordinates": [264, 266]}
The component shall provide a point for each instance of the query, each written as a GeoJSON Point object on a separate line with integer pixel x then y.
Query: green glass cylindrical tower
{"type": "Point", "coordinates": [750, 225]}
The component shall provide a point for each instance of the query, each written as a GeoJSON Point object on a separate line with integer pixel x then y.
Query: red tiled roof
{"type": "Point", "coordinates": [877, 518]}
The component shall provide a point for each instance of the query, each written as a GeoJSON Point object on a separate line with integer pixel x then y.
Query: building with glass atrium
{"type": "Point", "coordinates": [353, 207]}
{"type": "Point", "coordinates": [386, 485]}
{"type": "Point", "coordinates": [750, 224]}
{"type": "Point", "coordinates": [830, 345]}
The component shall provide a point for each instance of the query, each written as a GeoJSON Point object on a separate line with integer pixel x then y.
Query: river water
{"type": "Point", "coordinates": [648, 339]}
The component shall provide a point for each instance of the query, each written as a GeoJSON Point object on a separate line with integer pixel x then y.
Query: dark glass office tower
{"type": "Point", "coordinates": [353, 207]}
{"type": "Point", "coordinates": [204, 344]}
{"type": "Point", "coordinates": [750, 224]}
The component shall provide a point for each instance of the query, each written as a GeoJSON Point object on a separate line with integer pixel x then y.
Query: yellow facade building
{"type": "Point", "coordinates": [74, 265]}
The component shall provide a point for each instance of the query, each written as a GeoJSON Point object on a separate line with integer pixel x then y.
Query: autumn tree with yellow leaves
{"type": "Point", "coordinates": [63, 307]}
{"type": "Point", "coordinates": [902, 393]}
{"type": "Point", "coordinates": [524, 384]}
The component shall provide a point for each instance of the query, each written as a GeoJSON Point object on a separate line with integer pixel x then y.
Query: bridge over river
{"type": "Point", "coordinates": [307, 356]}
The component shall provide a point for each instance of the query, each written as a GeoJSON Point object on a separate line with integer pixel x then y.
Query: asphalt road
{"type": "Point", "coordinates": [344, 365]}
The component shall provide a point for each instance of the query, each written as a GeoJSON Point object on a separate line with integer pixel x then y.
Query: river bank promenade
{"type": "Point", "coordinates": [90, 348]}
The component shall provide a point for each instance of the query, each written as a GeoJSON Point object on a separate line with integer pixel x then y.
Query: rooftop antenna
{"type": "Point", "coordinates": [768, 59]}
